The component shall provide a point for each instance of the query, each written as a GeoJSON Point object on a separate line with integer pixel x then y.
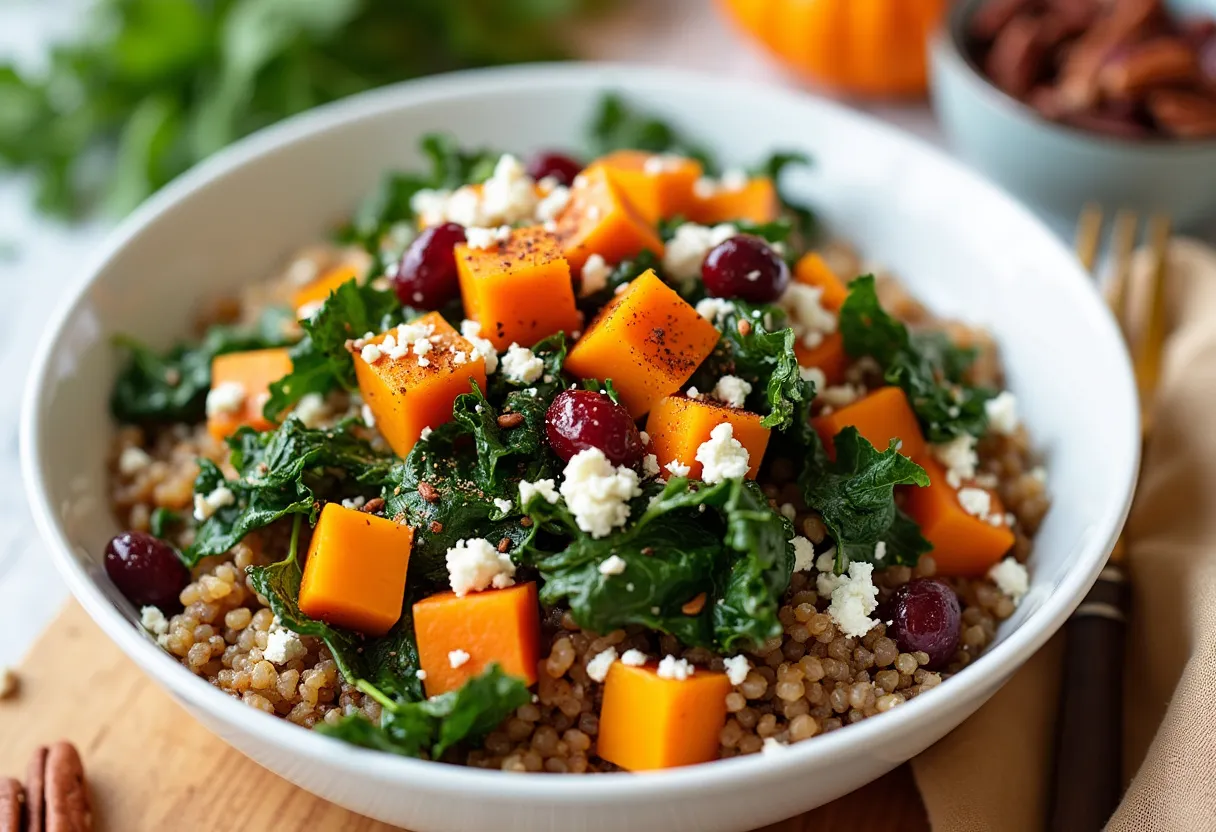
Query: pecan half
{"type": "Point", "coordinates": [1017, 56]}
{"type": "Point", "coordinates": [67, 795]}
{"type": "Point", "coordinates": [1186, 115]}
{"type": "Point", "coordinates": [992, 17]}
{"type": "Point", "coordinates": [35, 792]}
{"type": "Point", "coordinates": [1154, 63]}
{"type": "Point", "coordinates": [428, 492]}
{"type": "Point", "coordinates": [12, 804]}
{"type": "Point", "coordinates": [510, 420]}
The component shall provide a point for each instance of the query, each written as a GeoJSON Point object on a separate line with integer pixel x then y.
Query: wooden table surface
{"type": "Point", "coordinates": [152, 767]}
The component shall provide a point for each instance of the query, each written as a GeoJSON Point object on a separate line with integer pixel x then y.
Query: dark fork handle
{"type": "Point", "coordinates": [1088, 777]}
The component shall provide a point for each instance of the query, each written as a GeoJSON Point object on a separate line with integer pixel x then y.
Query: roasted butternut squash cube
{"type": "Point", "coordinates": [658, 185]}
{"type": "Point", "coordinates": [880, 417]}
{"type": "Point", "coordinates": [648, 722]}
{"type": "Point", "coordinates": [829, 357]}
{"type": "Point", "coordinates": [600, 219]}
{"type": "Point", "coordinates": [319, 290]}
{"type": "Point", "coordinates": [648, 340]}
{"type": "Point", "coordinates": [460, 637]}
{"type": "Point", "coordinates": [755, 202]}
{"type": "Point", "coordinates": [409, 391]}
{"type": "Point", "coordinates": [355, 573]}
{"type": "Point", "coordinates": [964, 545]}
{"type": "Point", "coordinates": [519, 289]}
{"type": "Point", "coordinates": [240, 386]}
{"type": "Point", "coordinates": [678, 425]}
{"type": "Point", "coordinates": [812, 270]}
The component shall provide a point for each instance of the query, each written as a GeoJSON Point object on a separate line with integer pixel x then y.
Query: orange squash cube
{"type": "Point", "coordinates": [411, 393]}
{"type": "Point", "coordinates": [648, 722]}
{"type": "Point", "coordinates": [756, 202]}
{"type": "Point", "coordinates": [240, 386]}
{"type": "Point", "coordinates": [828, 357]}
{"type": "Point", "coordinates": [319, 290]}
{"type": "Point", "coordinates": [355, 573]}
{"type": "Point", "coordinates": [964, 545]}
{"type": "Point", "coordinates": [812, 270]}
{"type": "Point", "coordinates": [658, 185]}
{"type": "Point", "coordinates": [678, 425]}
{"type": "Point", "coordinates": [880, 417]}
{"type": "Point", "coordinates": [648, 340]}
{"type": "Point", "coordinates": [460, 637]}
{"type": "Point", "coordinates": [519, 289]}
{"type": "Point", "coordinates": [600, 219]}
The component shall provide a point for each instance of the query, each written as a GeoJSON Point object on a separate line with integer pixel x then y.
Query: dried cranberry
{"type": "Point", "coordinates": [582, 419]}
{"type": "Point", "coordinates": [926, 616]}
{"type": "Point", "coordinates": [745, 267]}
{"type": "Point", "coordinates": [426, 276]}
{"type": "Point", "coordinates": [548, 163]}
{"type": "Point", "coordinates": [146, 570]}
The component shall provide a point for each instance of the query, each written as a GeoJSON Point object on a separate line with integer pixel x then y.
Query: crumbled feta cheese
{"type": "Point", "coordinates": [714, 310]}
{"type": "Point", "coordinates": [612, 565]}
{"type": "Point", "coordinates": [788, 511]}
{"type": "Point", "coordinates": [662, 163]}
{"type": "Point", "coordinates": [132, 460]}
{"type": "Point", "coordinates": [815, 376]}
{"type": "Point", "coordinates": [420, 675]}
{"type": "Point", "coordinates": [509, 195]}
{"type": "Point", "coordinates": [880, 550]}
{"type": "Point", "coordinates": [425, 433]}
{"type": "Point", "coordinates": [678, 469]}
{"type": "Point", "coordinates": [207, 505]}
{"type": "Point", "coordinates": [722, 457]}
{"type": "Point", "coordinates": [842, 395]}
{"type": "Point", "coordinates": [283, 646]}
{"type": "Point", "coordinates": [809, 320]}
{"type": "Point", "coordinates": [312, 410]}
{"type": "Point", "coordinates": [503, 505]}
{"type": "Point", "coordinates": [370, 353]}
{"type": "Point", "coordinates": [483, 238]}
{"type": "Point", "coordinates": [369, 418]}
{"type": "Point", "coordinates": [650, 465]}
{"type": "Point", "coordinates": [553, 203]}
{"type": "Point", "coordinates": [685, 252]}
{"type": "Point", "coordinates": [853, 599]}
{"type": "Point", "coordinates": [153, 620]}
{"type": "Point", "coordinates": [804, 554]}
{"type": "Point", "coordinates": [958, 455]}
{"type": "Point", "coordinates": [645, 437]}
{"type": "Point", "coordinates": [595, 275]}
{"type": "Point", "coordinates": [8, 684]}
{"type": "Point", "coordinates": [458, 658]}
{"type": "Point", "coordinates": [464, 206]}
{"type": "Point", "coordinates": [421, 347]}
{"type": "Point", "coordinates": [1011, 578]}
{"type": "Point", "coordinates": [600, 664]}
{"type": "Point", "coordinates": [475, 564]}
{"type": "Point", "coordinates": [597, 492]}
{"type": "Point", "coordinates": [521, 365]}
{"type": "Point", "coordinates": [772, 745]}
{"type": "Point", "coordinates": [733, 179]}
{"type": "Point", "coordinates": [633, 658]}
{"type": "Point", "coordinates": [692, 393]}
{"type": "Point", "coordinates": [737, 668]}
{"type": "Point", "coordinates": [672, 668]}
{"type": "Point", "coordinates": [354, 503]}
{"type": "Point", "coordinates": [226, 399]}
{"type": "Point", "coordinates": [732, 390]}
{"type": "Point", "coordinates": [430, 205]}
{"type": "Point", "coordinates": [545, 488]}
{"type": "Point", "coordinates": [975, 501]}
{"type": "Point", "coordinates": [1002, 412]}
{"type": "Point", "coordinates": [305, 311]}
{"type": "Point", "coordinates": [471, 331]}
{"type": "Point", "coordinates": [826, 580]}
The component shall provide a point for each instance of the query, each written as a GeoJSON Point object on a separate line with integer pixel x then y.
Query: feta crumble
{"type": "Point", "coordinates": [958, 455]}
{"type": "Point", "coordinates": [842, 395]}
{"type": "Point", "coordinates": [226, 399]}
{"type": "Point", "coordinates": [458, 658]}
{"type": "Point", "coordinates": [612, 565]}
{"type": "Point", "coordinates": [1010, 578]}
{"type": "Point", "coordinates": [369, 418]}
{"type": "Point", "coordinates": [484, 238]}
{"type": "Point", "coordinates": [732, 390]}
{"type": "Point", "coordinates": [595, 275]}
{"type": "Point", "coordinates": [714, 310]}
{"type": "Point", "coordinates": [975, 501]}
{"type": "Point", "coordinates": [737, 668]}
{"type": "Point", "coordinates": [732, 179]}
{"type": "Point", "coordinates": [597, 492]}
{"type": "Point", "coordinates": [509, 195]}
{"type": "Point", "coordinates": [650, 465]}
{"type": "Point", "coordinates": [722, 457]}
{"type": "Point", "coordinates": [475, 564]}
{"type": "Point", "coordinates": [553, 203]}
{"type": "Point", "coordinates": [1002, 412]}
{"type": "Point", "coordinates": [804, 554]}
{"type": "Point", "coordinates": [371, 353]}
{"type": "Point", "coordinates": [503, 505]}
{"type": "Point", "coordinates": [354, 503]}
{"type": "Point", "coordinates": [808, 318]}
{"type": "Point", "coordinates": [283, 646]}
{"type": "Point", "coordinates": [662, 163]}
{"type": "Point", "coordinates": [521, 365]}
{"type": "Point", "coordinates": [633, 658]}
{"type": "Point", "coordinates": [685, 252]}
{"type": "Point", "coordinates": [153, 620]}
{"type": "Point", "coordinates": [471, 332]}
{"type": "Point", "coordinates": [132, 460]}
{"type": "Point", "coordinates": [420, 675]}
{"type": "Point", "coordinates": [672, 668]}
{"type": "Point", "coordinates": [206, 505]}
{"type": "Point", "coordinates": [678, 469]}
{"type": "Point", "coordinates": [425, 433]}
{"type": "Point", "coordinates": [312, 410]}
{"type": "Point", "coordinates": [545, 488]}
{"type": "Point", "coordinates": [853, 599]}
{"type": "Point", "coordinates": [880, 550]}
{"type": "Point", "coordinates": [600, 664]}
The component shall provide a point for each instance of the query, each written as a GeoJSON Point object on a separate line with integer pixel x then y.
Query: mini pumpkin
{"type": "Point", "coordinates": [866, 47]}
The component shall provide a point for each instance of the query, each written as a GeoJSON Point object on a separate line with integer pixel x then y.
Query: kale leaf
{"type": "Point", "coordinates": [617, 126]}
{"type": "Point", "coordinates": [925, 365]}
{"type": "Point", "coordinates": [804, 219]}
{"type": "Point", "coordinates": [172, 387]}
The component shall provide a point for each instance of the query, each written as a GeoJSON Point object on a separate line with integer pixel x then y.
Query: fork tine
{"type": "Point", "coordinates": [1089, 231]}
{"type": "Point", "coordinates": [1123, 244]}
{"type": "Point", "coordinates": [1150, 345]}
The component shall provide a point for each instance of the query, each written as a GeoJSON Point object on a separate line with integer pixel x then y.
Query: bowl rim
{"type": "Point", "coordinates": [994, 666]}
{"type": "Point", "coordinates": [950, 44]}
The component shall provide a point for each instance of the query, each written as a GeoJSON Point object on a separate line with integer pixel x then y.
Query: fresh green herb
{"type": "Point", "coordinates": [153, 86]}
{"type": "Point", "coordinates": [606, 387]}
{"type": "Point", "coordinates": [855, 495]}
{"type": "Point", "coordinates": [805, 221]}
{"type": "Point", "coordinates": [162, 520]}
{"type": "Point", "coordinates": [428, 728]}
{"type": "Point", "coordinates": [777, 231]}
{"type": "Point", "coordinates": [925, 365]}
{"type": "Point", "coordinates": [172, 387]}
{"type": "Point", "coordinates": [321, 361]}
{"type": "Point", "coordinates": [722, 540]}
{"type": "Point", "coordinates": [617, 126]}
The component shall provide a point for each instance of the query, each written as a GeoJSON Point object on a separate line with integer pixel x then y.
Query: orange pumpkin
{"type": "Point", "coordinates": [867, 47]}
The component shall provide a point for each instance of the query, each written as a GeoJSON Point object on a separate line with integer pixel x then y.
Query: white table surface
{"type": "Point", "coordinates": [685, 33]}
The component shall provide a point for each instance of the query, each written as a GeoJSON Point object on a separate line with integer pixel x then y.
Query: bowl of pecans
{"type": "Point", "coordinates": [1069, 101]}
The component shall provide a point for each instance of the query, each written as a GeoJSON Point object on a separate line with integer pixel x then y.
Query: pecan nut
{"type": "Point", "coordinates": [57, 797]}
{"type": "Point", "coordinates": [35, 792]}
{"type": "Point", "coordinates": [1017, 55]}
{"type": "Point", "coordinates": [12, 804]}
{"type": "Point", "coordinates": [1154, 63]}
{"type": "Point", "coordinates": [1184, 114]}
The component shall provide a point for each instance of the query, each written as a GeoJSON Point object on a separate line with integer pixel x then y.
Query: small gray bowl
{"type": "Point", "coordinates": [1056, 168]}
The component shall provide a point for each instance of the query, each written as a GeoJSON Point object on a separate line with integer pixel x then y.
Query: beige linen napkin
{"type": "Point", "coordinates": [992, 773]}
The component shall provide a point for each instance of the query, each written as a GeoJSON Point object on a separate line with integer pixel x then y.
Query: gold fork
{"type": "Point", "coordinates": [1088, 776]}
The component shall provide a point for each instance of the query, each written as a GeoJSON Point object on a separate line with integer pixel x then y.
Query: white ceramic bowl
{"type": "Point", "coordinates": [964, 247]}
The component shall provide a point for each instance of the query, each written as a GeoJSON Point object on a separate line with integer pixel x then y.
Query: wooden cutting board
{"type": "Point", "coordinates": [152, 767]}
